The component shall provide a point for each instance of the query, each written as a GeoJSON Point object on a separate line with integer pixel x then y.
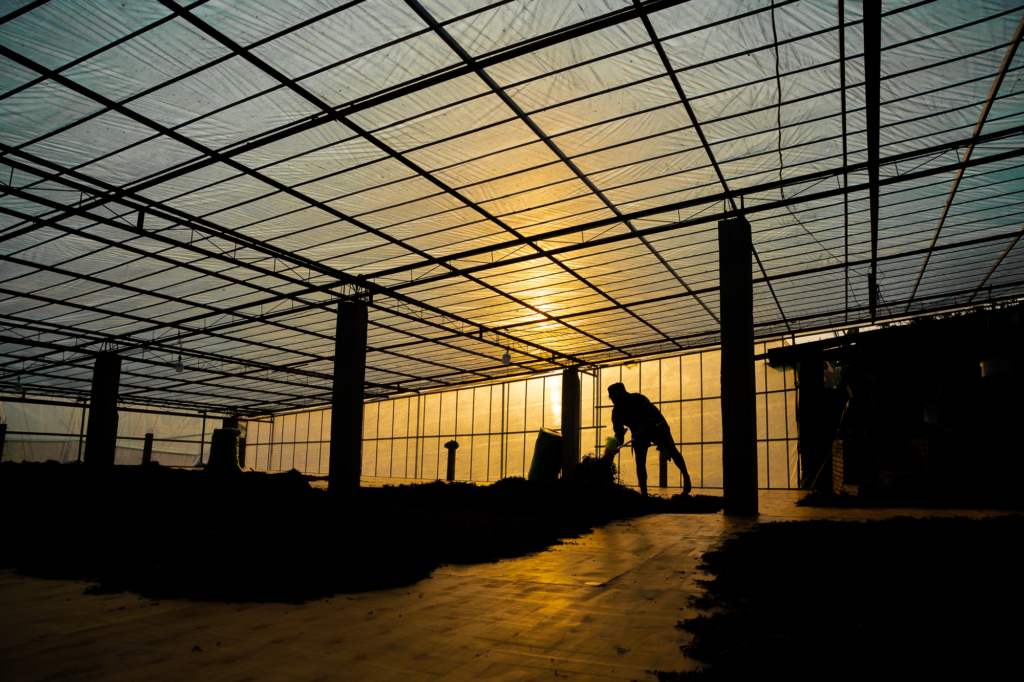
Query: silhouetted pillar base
{"type": "Point", "coordinates": [739, 416]}
{"type": "Point", "coordinates": [570, 422]}
{"type": "Point", "coordinates": [101, 437]}
{"type": "Point", "coordinates": [346, 458]}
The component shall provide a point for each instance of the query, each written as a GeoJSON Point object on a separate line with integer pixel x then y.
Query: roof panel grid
{"type": "Point", "coordinates": [502, 175]}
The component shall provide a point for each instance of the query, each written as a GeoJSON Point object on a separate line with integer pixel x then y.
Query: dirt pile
{"type": "Point", "coordinates": [897, 599]}
{"type": "Point", "coordinates": [271, 537]}
{"type": "Point", "coordinates": [596, 470]}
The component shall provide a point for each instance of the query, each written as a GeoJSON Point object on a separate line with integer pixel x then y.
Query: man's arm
{"type": "Point", "coordinates": [611, 447]}
{"type": "Point", "coordinates": [617, 426]}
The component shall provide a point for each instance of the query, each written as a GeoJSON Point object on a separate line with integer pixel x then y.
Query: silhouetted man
{"type": "Point", "coordinates": [635, 412]}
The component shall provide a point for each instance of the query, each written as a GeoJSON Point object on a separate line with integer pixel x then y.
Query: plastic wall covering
{"type": "Point", "coordinates": [37, 433]}
{"type": "Point", "coordinates": [496, 425]}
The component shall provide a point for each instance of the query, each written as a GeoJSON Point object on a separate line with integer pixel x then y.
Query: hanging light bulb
{"type": "Point", "coordinates": [17, 385]}
{"type": "Point", "coordinates": [506, 358]}
{"type": "Point", "coordinates": [179, 366]}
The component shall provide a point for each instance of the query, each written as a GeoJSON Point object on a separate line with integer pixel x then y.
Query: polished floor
{"type": "Point", "coordinates": [601, 607]}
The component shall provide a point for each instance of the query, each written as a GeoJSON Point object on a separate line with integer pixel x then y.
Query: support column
{"type": "Point", "coordinates": [101, 436]}
{"type": "Point", "coordinates": [81, 432]}
{"type": "Point", "coordinates": [202, 439]}
{"type": "Point", "coordinates": [570, 422]}
{"type": "Point", "coordinates": [739, 417]}
{"type": "Point", "coordinates": [811, 397]}
{"type": "Point", "coordinates": [147, 449]}
{"type": "Point", "coordinates": [3, 439]}
{"type": "Point", "coordinates": [347, 401]}
{"type": "Point", "coordinates": [872, 98]}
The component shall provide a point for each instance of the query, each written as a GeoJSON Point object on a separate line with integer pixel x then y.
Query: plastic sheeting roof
{"type": "Point", "coordinates": [546, 176]}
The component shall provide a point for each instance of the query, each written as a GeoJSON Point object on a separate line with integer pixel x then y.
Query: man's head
{"type": "Point", "coordinates": [617, 392]}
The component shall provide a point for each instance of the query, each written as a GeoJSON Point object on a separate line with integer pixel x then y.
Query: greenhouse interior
{"type": "Point", "coordinates": [496, 243]}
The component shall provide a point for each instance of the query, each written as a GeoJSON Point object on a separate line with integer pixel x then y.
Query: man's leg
{"type": "Point", "coordinates": [640, 452]}
{"type": "Point", "coordinates": [667, 447]}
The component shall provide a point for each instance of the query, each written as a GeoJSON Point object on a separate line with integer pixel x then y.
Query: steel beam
{"type": "Point", "coordinates": [811, 271]}
{"type": "Point", "coordinates": [841, 7]}
{"type": "Point", "coordinates": [992, 94]}
{"type": "Point", "coordinates": [715, 217]}
{"type": "Point", "coordinates": [494, 58]}
{"type": "Point", "coordinates": [292, 85]}
{"type": "Point", "coordinates": [828, 193]}
{"type": "Point", "coordinates": [1006, 251]}
{"type": "Point", "coordinates": [523, 347]}
{"type": "Point", "coordinates": [872, 107]}
{"type": "Point", "coordinates": [520, 114]}
{"type": "Point", "coordinates": [666, 64]}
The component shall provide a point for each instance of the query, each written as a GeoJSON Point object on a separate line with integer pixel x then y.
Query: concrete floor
{"type": "Point", "coordinates": [602, 607]}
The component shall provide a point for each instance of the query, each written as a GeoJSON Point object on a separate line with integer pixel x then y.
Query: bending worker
{"type": "Point", "coordinates": [635, 412]}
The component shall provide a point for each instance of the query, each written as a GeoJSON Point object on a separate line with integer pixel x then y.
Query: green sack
{"type": "Point", "coordinates": [547, 456]}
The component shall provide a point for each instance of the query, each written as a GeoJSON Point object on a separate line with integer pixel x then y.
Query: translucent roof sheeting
{"type": "Point", "coordinates": [205, 179]}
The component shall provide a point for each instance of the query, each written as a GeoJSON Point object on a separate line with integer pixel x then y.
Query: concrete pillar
{"type": "Point", "coordinates": [347, 403]}
{"type": "Point", "coordinates": [451, 446]}
{"type": "Point", "coordinates": [739, 417]}
{"type": "Point", "coordinates": [570, 421]}
{"type": "Point", "coordinates": [241, 453]}
{"type": "Point", "coordinates": [202, 439]}
{"type": "Point", "coordinates": [811, 396]}
{"type": "Point", "coordinates": [101, 437]}
{"type": "Point", "coordinates": [147, 449]}
{"type": "Point", "coordinates": [3, 439]}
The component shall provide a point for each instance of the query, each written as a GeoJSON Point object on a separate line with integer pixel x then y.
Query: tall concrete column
{"type": "Point", "coordinates": [739, 416]}
{"type": "Point", "coordinates": [101, 438]}
{"type": "Point", "coordinates": [814, 449]}
{"type": "Point", "coordinates": [347, 403]}
{"type": "Point", "coordinates": [147, 449]}
{"type": "Point", "coordinates": [570, 421]}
